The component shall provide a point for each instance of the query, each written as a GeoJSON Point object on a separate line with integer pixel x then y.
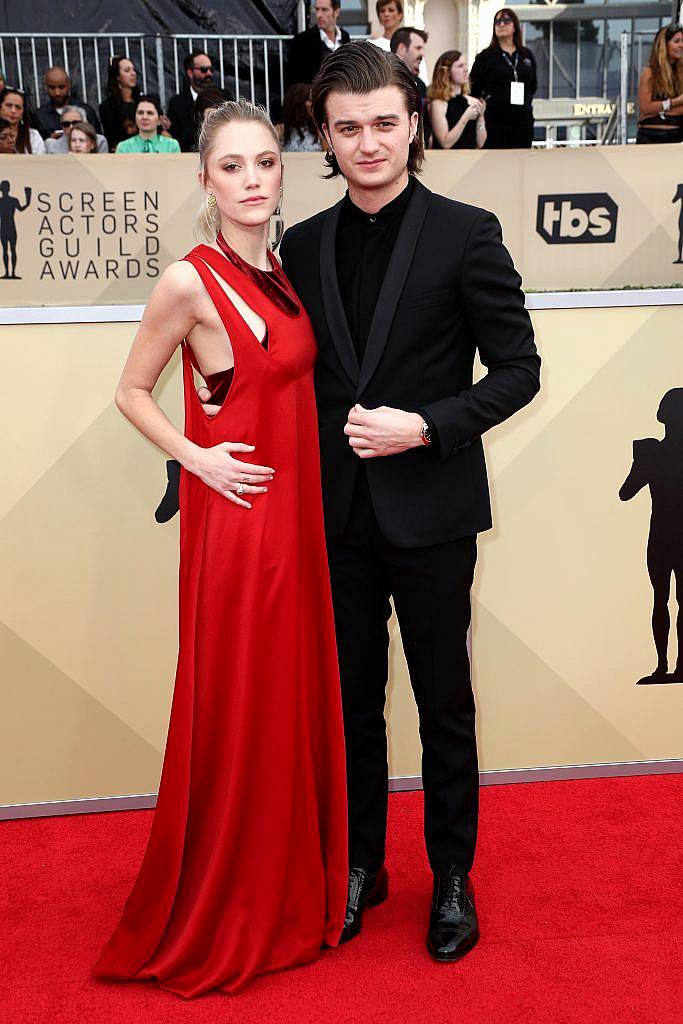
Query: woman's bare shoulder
{"type": "Point", "coordinates": [181, 277]}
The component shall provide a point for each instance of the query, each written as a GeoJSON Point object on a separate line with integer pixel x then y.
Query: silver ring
{"type": "Point", "coordinates": [239, 489]}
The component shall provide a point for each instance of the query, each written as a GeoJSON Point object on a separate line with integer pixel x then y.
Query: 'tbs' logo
{"type": "Point", "coordinates": [578, 218]}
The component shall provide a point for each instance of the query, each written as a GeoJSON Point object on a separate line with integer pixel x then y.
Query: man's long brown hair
{"type": "Point", "coordinates": [362, 68]}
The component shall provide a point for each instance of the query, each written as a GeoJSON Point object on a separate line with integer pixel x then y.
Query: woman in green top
{"type": "Point", "coordinates": [148, 139]}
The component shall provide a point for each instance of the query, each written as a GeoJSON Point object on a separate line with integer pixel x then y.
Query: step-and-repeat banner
{"type": "Point", "coordinates": [563, 644]}
{"type": "Point", "coordinates": [101, 229]}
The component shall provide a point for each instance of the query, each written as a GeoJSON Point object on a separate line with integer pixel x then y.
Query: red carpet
{"type": "Point", "coordinates": [580, 895]}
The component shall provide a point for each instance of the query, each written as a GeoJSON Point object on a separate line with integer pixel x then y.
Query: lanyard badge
{"type": "Point", "coordinates": [516, 87]}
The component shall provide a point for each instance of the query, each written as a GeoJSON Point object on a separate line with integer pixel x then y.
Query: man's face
{"type": "Point", "coordinates": [370, 135]}
{"type": "Point", "coordinates": [58, 86]}
{"type": "Point", "coordinates": [200, 73]}
{"type": "Point", "coordinates": [326, 15]}
{"type": "Point", "coordinates": [413, 54]}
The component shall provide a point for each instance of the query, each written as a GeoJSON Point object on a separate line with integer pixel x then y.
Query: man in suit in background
{"type": "Point", "coordinates": [307, 49]}
{"type": "Point", "coordinates": [408, 44]}
{"type": "Point", "coordinates": [198, 68]}
{"type": "Point", "coordinates": [403, 287]}
{"type": "Point", "coordinates": [60, 94]}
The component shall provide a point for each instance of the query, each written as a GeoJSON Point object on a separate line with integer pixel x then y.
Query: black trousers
{"type": "Point", "coordinates": [431, 591]}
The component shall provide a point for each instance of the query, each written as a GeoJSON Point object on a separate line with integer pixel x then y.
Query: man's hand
{"type": "Point", "coordinates": [383, 431]}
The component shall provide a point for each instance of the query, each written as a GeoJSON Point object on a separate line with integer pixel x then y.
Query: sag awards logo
{"type": "Point", "coordinates": [579, 218]}
{"type": "Point", "coordinates": [106, 235]}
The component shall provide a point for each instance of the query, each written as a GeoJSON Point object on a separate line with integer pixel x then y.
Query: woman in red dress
{"type": "Point", "coordinates": [245, 870]}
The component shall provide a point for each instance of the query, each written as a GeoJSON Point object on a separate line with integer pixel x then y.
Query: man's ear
{"type": "Point", "coordinates": [326, 134]}
{"type": "Point", "coordinates": [414, 122]}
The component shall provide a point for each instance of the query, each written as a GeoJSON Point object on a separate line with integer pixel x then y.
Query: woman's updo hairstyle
{"type": "Point", "coordinates": [208, 221]}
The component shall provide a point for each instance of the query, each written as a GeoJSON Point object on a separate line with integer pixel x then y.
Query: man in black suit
{"type": "Point", "coordinates": [307, 49]}
{"type": "Point", "coordinates": [408, 43]}
{"type": "Point", "coordinates": [61, 94]}
{"type": "Point", "coordinates": [403, 286]}
{"type": "Point", "coordinates": [181, 107]}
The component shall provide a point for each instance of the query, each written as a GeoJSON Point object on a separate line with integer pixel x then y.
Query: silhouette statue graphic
{"type": "Point", "coordinates": [679, 198]}
{"type": "Point", "coordinates": [659, 466]}
{"type": "Point", "coordinates": [9, 206]}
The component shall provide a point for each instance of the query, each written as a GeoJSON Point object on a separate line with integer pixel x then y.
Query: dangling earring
{"type": "Point", "coordinates": [211, 206]}
{"type": "Point", "coordinates": [279, 225]}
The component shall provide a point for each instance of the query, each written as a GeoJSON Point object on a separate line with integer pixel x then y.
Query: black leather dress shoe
{"type": "Point", "coordinates": [453, 925]}
{"type": "Point", "coordinates": [365, 890]}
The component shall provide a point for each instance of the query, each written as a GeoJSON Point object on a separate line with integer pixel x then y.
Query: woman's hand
{"type": "Point", "coordinates": [474, 110]}
{"type": "Point", "coordinates": [217, 468]}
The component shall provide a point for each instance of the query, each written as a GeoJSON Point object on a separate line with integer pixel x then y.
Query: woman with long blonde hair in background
{"type": "Point", "coordinates": [457, 118]}
{"type": "Point", "coordinates": [246, 867]}
{"type": "Point", "coordinates": [660, 89]}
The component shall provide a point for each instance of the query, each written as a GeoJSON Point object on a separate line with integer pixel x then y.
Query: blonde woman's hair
{"type": "Point", "coordinates": [441, 87]}
{"type": "Point", "coordinates": [667, 78]}
{"type": "Point", "coordinates": [207, 226]}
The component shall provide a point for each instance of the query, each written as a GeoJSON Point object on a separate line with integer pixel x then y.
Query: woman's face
{"type": "Point", "coordinates": [12, 108]}
{"type": "Point", "coordinates": [147, 118]}
{"type": "Point", "coordinates": [459, 72]}
{"type": "Point", "coordinates": [8, 140]}
{"type": "Point", "coordinates": [244, 172]}
{"type": "Point", "coordinates": [504, 27]}
{"type": "Point", "coordinates": [674, 48]}
{"type": "Point", "coordinates": [79, 142]}
{"type": "Point", "coordinates": [127, 75]}
{"type": "Point", "coordinates": [389, 18]}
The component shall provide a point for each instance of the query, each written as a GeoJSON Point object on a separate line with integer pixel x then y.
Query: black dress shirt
{"type": "Point", "coordinates": [364, 245]}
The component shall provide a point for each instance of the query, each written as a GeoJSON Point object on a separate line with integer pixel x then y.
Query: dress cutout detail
{"type": "Point", "coordinates": [246, 868]}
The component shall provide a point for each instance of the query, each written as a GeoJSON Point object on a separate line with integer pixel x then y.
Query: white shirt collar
{"type": "Point", "coordinates": [330, 44]}
{"type": "Point", "coordinates": [194, 94]}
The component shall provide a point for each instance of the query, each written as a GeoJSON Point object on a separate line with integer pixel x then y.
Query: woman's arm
{"type": "Point", "coordinates": [533, 82]}
{"type": "Point", "coordinates": [170, 315]}
{"type": "Point", "coordinates": [448, 137]}
{"type": "Point", "coordinates": [481, 135]}
{"type": "Point", "coordinates": [477, 75]}
{"type": "Point", "coordinates": [647, 106]}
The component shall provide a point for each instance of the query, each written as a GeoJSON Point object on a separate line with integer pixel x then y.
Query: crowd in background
{"type": "Point", "coordinates": [489, 106]}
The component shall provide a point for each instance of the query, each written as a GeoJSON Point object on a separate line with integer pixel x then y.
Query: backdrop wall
{"type": "Point", "coordinates": [562, 602]}
{"type": "Point", "coordinates": [102, 229]}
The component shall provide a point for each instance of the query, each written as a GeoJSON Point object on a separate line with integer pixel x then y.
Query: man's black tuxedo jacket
{"type": "Point", "coordinates": [181, 111]}
{"type": "Point", "coordinates": [450, 288]}
{"type": "Point", "coordinates": [306, 52]}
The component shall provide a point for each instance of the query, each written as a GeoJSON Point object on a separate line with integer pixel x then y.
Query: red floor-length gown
{"type": "Point", "coordinates": [246, 867]}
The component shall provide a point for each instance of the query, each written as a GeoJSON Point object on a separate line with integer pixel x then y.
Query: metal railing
{"type": "Point", "coordinates": [634, 52]}
{"type": "Point", "coordinates": [244, 65]}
